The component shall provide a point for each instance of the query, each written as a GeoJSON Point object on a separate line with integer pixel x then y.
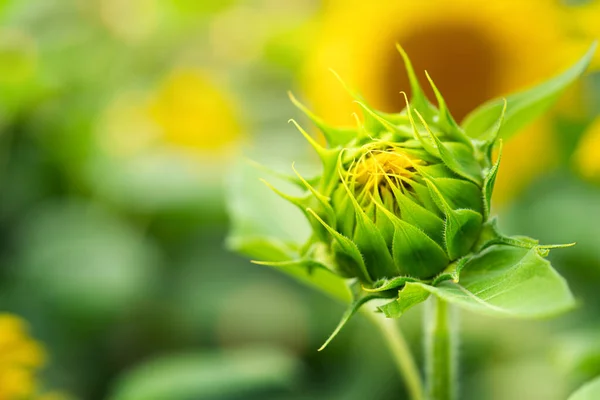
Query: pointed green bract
{"type": "Point", "coordinates": [447, 122]}
{"type": "Point", "coordinates": [420, 216]}
{"type": "Point", "coordinates": [371, 242]}
{"type": "Point", "coordinates": [415, 253]}
{"type": "Point", "coordinates": [334, 136]}
{"type": "Point", "coordinates": [346, 248]}
{"type": "Point", "coordinates": [462, 226]}
{"type": "Point", "coordinates": [456, 156]}
{"type": "Point", "coordinates": [418, 99]}
{"type": "Point", "coordinates": [488, 185]}
{"type": "Point", "coordinates": [352, 309]}
{"type": "Point", "coordinates": [460, 193]}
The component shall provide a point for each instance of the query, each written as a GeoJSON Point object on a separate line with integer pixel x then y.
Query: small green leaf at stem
{"type": "Point", "coordinates": [507, 281]}
{"type": "Point", "coordinates": [409, 296]}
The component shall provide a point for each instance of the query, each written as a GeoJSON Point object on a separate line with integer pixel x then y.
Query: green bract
{"type": "Point", "coordinates": [401, 210]}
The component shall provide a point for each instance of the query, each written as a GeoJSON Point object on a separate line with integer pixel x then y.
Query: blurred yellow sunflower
{"type": "Point", "coordinates": [187, 111]}
{"type": "Point", "coordinates": [20, 358]}
{"type": "Point", "coordinates": [587, 155]}
{"type": "Point", "coordinates": [192, 112]}
{"type": "Point", "coordinates": [169, 146]}
{"type": "Point", "coordinates": [473, 49]}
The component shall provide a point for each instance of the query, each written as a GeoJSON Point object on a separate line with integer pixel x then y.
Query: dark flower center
{"type": "Point", "coordinates": [459, 58]}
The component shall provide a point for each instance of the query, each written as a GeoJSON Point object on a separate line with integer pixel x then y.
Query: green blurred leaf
{"type": "Point", "coordinates": [569, 202]}
{"type": "Point", "coordinates": [507, 281]}
{"type": "Point", "coordinates": [589, 391]}
{"type": "Point", "coordinates": [256, 212]}
{"type": "Point", "coordinates": [267, 228]}
{"type": "Point", "coordinates": [578, 352]}
{"type": "Point", "coordinates": [524, 107]}
{"type": "Point", "coordinates": [208, 375]}
{"type": "Point", "coordinates": [156, 181]}
{"type": "Point", "coordinates": [84, 260]}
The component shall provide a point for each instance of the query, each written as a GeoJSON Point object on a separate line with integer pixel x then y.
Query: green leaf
{"type": "Point", "coordinates": [408, 297]}
{"type": "Point", "coordinates": [524, 107]}
{"type": "Point", "coordinates": [578, 351]}
{"type": "Point", "coordinates": [507, 281]}
{"type": "Point", "coordinates": [257, 213]}
{"type": "Point", "coordinates": [589, 391]}
{"type": "Point", "coordinates": [208, 375]}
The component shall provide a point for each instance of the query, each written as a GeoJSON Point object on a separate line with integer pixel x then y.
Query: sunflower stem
{"type": "Point", "coordinates": [402, 355]}
{"type": "Point", "coordinates": [440, 348]}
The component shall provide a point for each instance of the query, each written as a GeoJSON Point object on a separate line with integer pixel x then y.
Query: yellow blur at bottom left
{"type": "Point", "coordinates": [20, 359]}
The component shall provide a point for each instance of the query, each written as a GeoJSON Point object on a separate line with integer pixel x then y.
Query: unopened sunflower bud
{"type": "Point", "coordinates": [401, 195]}
{"type": "Point", "coordinates": [401, 211]}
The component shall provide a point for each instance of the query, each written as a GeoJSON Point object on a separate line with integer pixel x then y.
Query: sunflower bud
{"type": "Point", "coordinates": [400, 195]}
{"type": "Point", "coordinates": [401, 211]}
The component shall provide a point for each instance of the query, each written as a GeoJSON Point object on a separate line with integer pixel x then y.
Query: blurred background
{"type": "Point", "coordinates": [123, 122]}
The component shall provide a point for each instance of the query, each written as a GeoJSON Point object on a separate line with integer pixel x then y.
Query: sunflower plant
{"type": "Point", "coordinates": [401, 213]}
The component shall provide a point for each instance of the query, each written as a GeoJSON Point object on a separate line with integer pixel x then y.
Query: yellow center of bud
{"type": "Point", "coordinates": [382, 168]}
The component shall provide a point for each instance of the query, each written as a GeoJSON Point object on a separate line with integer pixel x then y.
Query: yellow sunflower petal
{"type": "Point", "coordinates": [20, 357]}
{"type": "Point", "coordinates": [187, 110]}
{"type": "Point", "coordinates": [587, 156]}
{"type": "Point", "coordinates": [193, 112]}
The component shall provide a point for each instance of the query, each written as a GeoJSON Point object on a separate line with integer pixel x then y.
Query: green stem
{"type": "Point", "coordinates": [401, 353]}
{"type": "Point", "coordinates": [440, 347]}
